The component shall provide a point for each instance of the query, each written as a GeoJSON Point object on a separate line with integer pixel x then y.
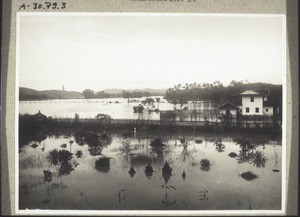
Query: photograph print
{"type": "Point", "coordinates": [150, 111]}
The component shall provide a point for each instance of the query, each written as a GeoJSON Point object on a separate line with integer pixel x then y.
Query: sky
{"type": "Point", "coordinates": [130, 51]}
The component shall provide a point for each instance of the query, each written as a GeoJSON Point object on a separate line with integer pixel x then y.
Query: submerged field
{"type": "Point", "coordinates": [122, 170]}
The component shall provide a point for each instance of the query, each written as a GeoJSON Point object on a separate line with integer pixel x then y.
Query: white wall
{"type": "Point", "coordinates": [269, 112]}
{"type": "Point", "coordinates": [258, 103]}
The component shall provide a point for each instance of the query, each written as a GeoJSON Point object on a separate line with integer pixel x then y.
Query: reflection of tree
{"type": "Point", "coordinates": [65, 169]}
{"type": "Point", "coordinates": [183, 175]}
{"type": "Point", "coordinates": [249, 176]}
{"type": "Point", "coordinates": [141, 159]}
{"type": "Point", "coordinates": [79, 154]}
{"type": "Point", "coordinates": [203, 195]}
{"type": "Point", "coordinates": [95, 150]}
{"type": "Point", "coordinates": [245, 145]}
{"type": "Point", "coordinates": [92, 139]}
{"type": "Point", "coordinates": [103, 164]}
{"type": "Point", "coordinates": [56, 157]}
{"type": "Point", "coordinates": [47, 175]}
{"type": "Point", "coordinates": [166, 174]}
{"type": "Point", "coordinates": [188, 155]}
{"type": "Point", "coordinates": [124, 151]}
{"type": "Point", "coordinates": [50, 189]}
{"type": "Point", "coordinates": [205, 165]}
{"type": "Point", "coordinates": [276, 167]}
{"type": "Point", "coordinates": [244, 156]}
{"type": "Point", "coordinates": [131, 172]}
{"type": "Point", "coordinates": [95, 141]}
{"type": "Point", "coordinates": [61, 158]}
{"type": "Point", "coordinates": [121, 195]}
{"type": "Point", "coordinates": [149, 171]}
{"type": "Point", "coordinates": [258, 159]}
{"type": "Point", "coordinates": [219, 146]}
{"type": "Point", "coordinates": [158, 147]}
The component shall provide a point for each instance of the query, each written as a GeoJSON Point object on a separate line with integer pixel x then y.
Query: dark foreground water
{"type": "Point", "coordinates": [125, 172]}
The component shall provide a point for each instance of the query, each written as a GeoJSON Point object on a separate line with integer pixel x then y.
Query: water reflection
{"type": "Point", "coordinates": [48, 176]}
{"type": "Point", "coordinates": [166, 174]}
{"type": "Point", "coordinates": [245, 145]}
{"type": "Point", "coordinates": [232, 155]}
{"type": "Point", "coordinates": [63, 159]}
{"type": "Point", "coordinates": [258, 159]}
{"type": "Point", "coordinates": [148, 153]}
{"type": "Point", "coordinates": [131, 172]}
{"type": "Point", "coordinates": [103, 164]}
{"type": "Point", "coordinates": [205, 165]}
{"type": "Point", "coordinates": [203, 195]}
{"type": "Point", "coordinates": [50, 190]}
{"type": "Point", "coordinates": [220, 147]}
{"type": "Point", "coordinates": [65, 169]}
{"type": "Point", "coordinates": [121, 195]}
{"type": "Point", "coordinates": [276, 167]}
{"type": "Point", "coordinates": [34, 145]}
{"type": "Point", "coordinates": [249, 176]}
{"type": "Point", "coordinates": [79, 154]}
{"type": "Point", "coordinates": [183, 175]}
{"type": "Point", "coordinates": [149, 171]}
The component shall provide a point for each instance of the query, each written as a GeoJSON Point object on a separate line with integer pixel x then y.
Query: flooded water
{"type": "Point", "coordinates": [118, 108]}
{"type": "Point", "coordinates": [129, 171]}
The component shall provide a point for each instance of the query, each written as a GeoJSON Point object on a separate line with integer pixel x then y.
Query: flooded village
{"type": "Point", "coordinates": [150, 112]}
{"type": "Point", "coordinates": [151, 153]}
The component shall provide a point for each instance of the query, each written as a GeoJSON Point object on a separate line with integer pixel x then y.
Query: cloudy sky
{"type": "Point", "coordinates": [102, 51]}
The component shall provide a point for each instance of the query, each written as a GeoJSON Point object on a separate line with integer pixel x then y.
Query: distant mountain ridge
{"type": "Point", "coordinates": [31, 94]}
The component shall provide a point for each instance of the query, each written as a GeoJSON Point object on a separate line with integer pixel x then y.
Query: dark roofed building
{"type": "Point", "coordinates": [228, 109]}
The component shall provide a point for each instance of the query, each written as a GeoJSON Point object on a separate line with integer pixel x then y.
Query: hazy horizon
{"type": "Point", "coordinates": [128, 89]}
{"type": "Point", "coordinates": [155, 51]}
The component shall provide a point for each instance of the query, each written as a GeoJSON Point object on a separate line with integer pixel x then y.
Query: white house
{"type": "Point", "coordinates": [255, 102]}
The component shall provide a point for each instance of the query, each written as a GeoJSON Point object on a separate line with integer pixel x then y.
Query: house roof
{"type": "Point", "coordinates": [268, 103]}
{"type": "Point", "coordinates": [227, 105]}
{"type": "Point", "coordinates": [253, 92]}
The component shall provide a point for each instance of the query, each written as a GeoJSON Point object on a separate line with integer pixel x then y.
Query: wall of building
{"type": "Point", "coordinates": [200, 105]}
{"type": "Point", "coordinates": [232, 112]}
{"type": "Point", "coordinates": [258, 103]}
{"type": "Point", "coordinates": [268, 110]}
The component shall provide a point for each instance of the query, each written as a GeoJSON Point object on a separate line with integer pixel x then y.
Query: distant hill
{"type": "Point", "coordinates": [31, 94]}
{"type": "Point", "coordinates": [150, 90]}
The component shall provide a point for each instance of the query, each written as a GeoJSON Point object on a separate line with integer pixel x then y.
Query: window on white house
{"type": "Point", "coordinates": [267, 110]}
{"type": "Point", "coordinates": [256, 109]}
{"type": "Point", "coordinates": [247, 110]}
{"type": "Point", "coordinates": [252, 98]}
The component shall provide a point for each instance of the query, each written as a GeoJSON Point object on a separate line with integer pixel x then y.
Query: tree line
{"type": "Point", "coordinates": [217, 92]}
